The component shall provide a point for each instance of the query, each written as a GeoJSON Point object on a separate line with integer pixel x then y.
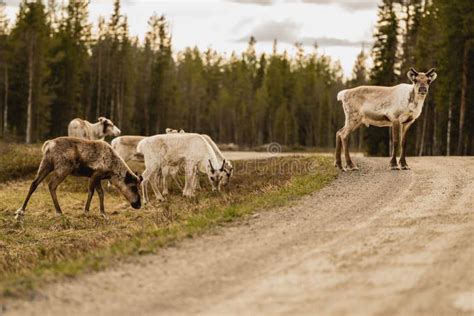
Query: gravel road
{"type": "Point", "coordinates": [374, 242]}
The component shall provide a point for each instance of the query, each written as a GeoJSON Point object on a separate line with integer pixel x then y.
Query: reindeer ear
{"type": "Point", "coordinates": [101, 119]}
{"type": "Point", "coordinates": [181, 131]}
{"type": "Point", "coordinates": [168, 130]}
{"type": "Point", "coordinates": [432, 74]}
{"type": "Point", "coordinates": [140, 178]}
{"type": "Point", "coordinates": [411, 74]}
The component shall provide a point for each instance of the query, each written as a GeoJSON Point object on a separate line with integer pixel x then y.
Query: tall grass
{"type": "Point", "coordinates": [44, 247]}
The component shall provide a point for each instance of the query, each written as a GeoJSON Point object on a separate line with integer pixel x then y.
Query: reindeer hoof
{"type": "Point", "coordinates": [19, 214]}
{"type": "Point", "coordinates": [405, 167]}
{"type": "Point", "coordinates": [104, 216]}
{"type": "Point", "coordinates": [352, 168]}
{"type": "Point", "coordinates": [394, 168]}
{"type": "Point", "coordinates": [339, 166]}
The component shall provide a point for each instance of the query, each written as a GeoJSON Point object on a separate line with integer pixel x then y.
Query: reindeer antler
{"type": "Point", "coordinates": [223, 164]}
{"type": "Point", "coordinates": [212, 168]}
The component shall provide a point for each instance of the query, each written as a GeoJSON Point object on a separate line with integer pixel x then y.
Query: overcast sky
{"type": "Point", "coordinates": [340, 27]}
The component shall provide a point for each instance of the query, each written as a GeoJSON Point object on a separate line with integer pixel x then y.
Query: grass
{"type": "Point", "coordinates": [44, 247]}
{"type": "Point", "coordinates": [18, 160]}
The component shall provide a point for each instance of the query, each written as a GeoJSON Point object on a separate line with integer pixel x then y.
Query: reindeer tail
{"type": "Point", "coordinates": [47, 145]}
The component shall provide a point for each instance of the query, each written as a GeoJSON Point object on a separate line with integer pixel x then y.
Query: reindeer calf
{"type": "Point", "coordinates": [96, 160]}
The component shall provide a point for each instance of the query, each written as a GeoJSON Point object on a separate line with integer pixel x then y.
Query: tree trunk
{"type": "Point", "coordinates": [462, 110]}
{"type": "Point", "coordinates": [99, 81]}
{"type": "Point", "coordinates": [423, 134]}
{"type": "Point", "coordinates": [448, 130]}
{"type": "Point", "coordinates": [5, 104]}
{"type": "Point", "coordinates": [29, 114]}
{"type": "Point", "coordinates": [390, 143]}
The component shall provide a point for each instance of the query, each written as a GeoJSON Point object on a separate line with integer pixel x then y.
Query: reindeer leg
{"type": "Point", "coordinates": [402, 161]}
{"type": "Point", "coordinates": [347, 130]}
{"type": "Point", "coordinates": [100, 192]}
{"type": "Point", "coordinates": [154, 186]}
{"type": "Point", "coordinates": [189, 180]}
{"type": "Point", "coordinates": [338, 161]}
{"type": "Point", "coordinates": [92, 185]}
{"type": "Point", "coordinates": [44, 169]}
{"type": "Point", "coordinates": [56, 179]}
{"type": "Point", "coordinates": [146, 178]}
{"type": "Point", "coordinates": [395, 140]}
{"type": "Point", "coordinates": [164, 178]}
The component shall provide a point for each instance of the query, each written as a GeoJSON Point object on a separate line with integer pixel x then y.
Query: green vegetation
{"type": "Point", "coordinates": [18, 160]}
{"type": "Point", "coordinates": [44, 247]}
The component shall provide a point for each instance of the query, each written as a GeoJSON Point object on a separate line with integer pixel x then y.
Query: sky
{"type": "Point", "coordinates": [339, 27]}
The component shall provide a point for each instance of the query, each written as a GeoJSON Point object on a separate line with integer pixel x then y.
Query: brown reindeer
{"type": "Point", "coordinates": [94, 159]}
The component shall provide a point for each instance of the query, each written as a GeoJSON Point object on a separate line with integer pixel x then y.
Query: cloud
{"type": "Point", "coordinates": [16, 3]}
{"type": "Point", "coordinates": [11, 3]}
{"type": "Point", "coordinates": [257, 2]}
{"type": "Point", "coordinates": [288, 31]}
{"type": "Point", "coordinates": [332, 41]}
{"type": "Point", "coordinates": [347, 4]}
{"type": "Point", "coordinates": [354, 5]}
{"type": "Point", "coordinates": [285, 31]}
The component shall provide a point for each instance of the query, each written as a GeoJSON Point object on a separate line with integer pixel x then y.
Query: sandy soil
{"type": "Point", "coordinates": [375, 242]}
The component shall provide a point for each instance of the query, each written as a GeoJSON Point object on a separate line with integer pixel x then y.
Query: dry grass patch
{"type": "Point", "coordinates": [44, 247]}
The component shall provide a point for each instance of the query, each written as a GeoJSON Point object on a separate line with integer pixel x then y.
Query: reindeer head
{"type": "Point", "coordinates": [129, 185]}
{"type": "Point", "coordinates": [228, 170]}
{"type": "Point", "coordinates": [219, 177]}
{"type": "Point", "coordinates": [422, 80]}
{"type": "Point", "coordinates": [108, 127]}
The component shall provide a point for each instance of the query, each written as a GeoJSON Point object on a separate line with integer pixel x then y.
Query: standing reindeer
{"type": "Point", "coordinates": [397, 107]}
{"type": "Point", "coordinates": [96, 160]}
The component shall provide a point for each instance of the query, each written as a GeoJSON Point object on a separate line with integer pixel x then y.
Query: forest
{"type": "Point", "coordinates": [55, 66]}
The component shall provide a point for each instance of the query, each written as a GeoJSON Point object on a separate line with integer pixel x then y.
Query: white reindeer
{"type": "Point", "coordinates": [228, 168]}
{"type": "Point", "coordinates": [397, 107]}
{"type": "Point", "coordinates": [126, 147]}
{"type": "Point", "coordinates": [93, 131]}
{"type": "Point", "coordinates": [173, 150]}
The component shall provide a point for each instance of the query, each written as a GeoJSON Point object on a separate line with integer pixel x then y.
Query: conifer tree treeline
{"type": "Point", "coordinates": [424, 34]}
{"type": "Point", "coordinates": [54, 68]}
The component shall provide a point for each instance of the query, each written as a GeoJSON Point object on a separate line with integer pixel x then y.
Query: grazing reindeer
{"type": "Point", "coordinates": [397, 107]}
{"type": "Point", "coordinates": [126, 147]}
{"type": "Point", "coordinates": [170, 151]}
{"type": "Point", "coordinates": [83, 129]}
{"type": "Point", "coordinates": [96, 160]}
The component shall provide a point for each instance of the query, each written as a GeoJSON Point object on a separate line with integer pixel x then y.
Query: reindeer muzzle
{"type": "Point", "coordinates": [136, 205]}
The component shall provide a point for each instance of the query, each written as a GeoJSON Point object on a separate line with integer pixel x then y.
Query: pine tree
{"type": "Point", "coordinates": [70, 66]}
{"type": "Point", "coordinates": [384, 55]}
{"type": "Point", "coordinates": [359, 78]}
{"type": "Point", "coordinates": [4, 84]}
{"type": "Point", "coordinates": [30, 40]}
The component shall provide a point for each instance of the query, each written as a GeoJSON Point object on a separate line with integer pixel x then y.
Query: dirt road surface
{"type": "Point", "coordinates": [375, 242]}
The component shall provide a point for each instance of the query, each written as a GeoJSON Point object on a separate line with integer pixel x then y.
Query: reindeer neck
{"type": "Point", "coordinates": [416, 99]}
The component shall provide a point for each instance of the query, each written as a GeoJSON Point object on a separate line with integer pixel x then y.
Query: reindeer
{"type": "Point", "coordinates": [83, 129]}
{"type": "Point", "coordinates": [96, 160]}
{"type": "Point", "coordinates": [397, 107]}
{"type": "Point", "coordinates": [228, 168]}
{"type": "Point", "coordinates": [169, 151]}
